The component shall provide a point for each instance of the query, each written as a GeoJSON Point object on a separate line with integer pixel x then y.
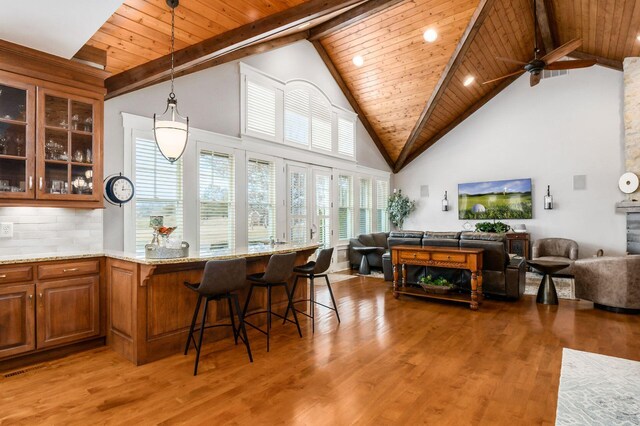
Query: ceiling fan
{"type": "Point", "coordinates": [548, 61]}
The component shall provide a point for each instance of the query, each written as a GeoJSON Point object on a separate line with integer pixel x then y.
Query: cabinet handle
{"type": "Point", "coordinates": [71, 270]}
{"type": "Point", "coordinates": [31, 299]}
{"type": "Point", "coordinates": [40, 183]}
{"type": "Point", "coordinates": [30, 182]}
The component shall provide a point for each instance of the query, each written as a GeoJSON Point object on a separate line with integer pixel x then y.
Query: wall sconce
{"type": "Point", "coordinates": [548, 199]}
{"type": "Point", "coordinates": [445, 203]}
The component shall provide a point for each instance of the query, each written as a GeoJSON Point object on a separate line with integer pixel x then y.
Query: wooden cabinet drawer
{"type": "Point", "coordinates": [15, 274]}
{"type": "Point", "coordinates": [449, 257]}
{"type": "Point", "coordinates": [415, 255]}
{"type": "Point", "coordinates": [68, 269]}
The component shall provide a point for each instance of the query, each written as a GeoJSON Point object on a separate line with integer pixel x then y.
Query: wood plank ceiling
{"type": "Point", "coordinates": [409, 93]}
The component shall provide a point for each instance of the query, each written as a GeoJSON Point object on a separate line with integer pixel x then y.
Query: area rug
{"type": "Point", "coordinates": [598, 390]}
{"type": "Point", "coordinates": [564, 286]}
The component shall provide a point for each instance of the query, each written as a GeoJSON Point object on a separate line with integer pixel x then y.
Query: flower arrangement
{"type": "Point", "coordinates": [400, 206]}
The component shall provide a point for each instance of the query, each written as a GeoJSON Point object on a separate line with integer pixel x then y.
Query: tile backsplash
{"type": "Point", "coordinates": [46, 230]}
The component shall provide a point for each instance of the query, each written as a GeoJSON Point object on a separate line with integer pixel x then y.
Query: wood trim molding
{"type": "Point", "coordinates": [486, 98]}
{"type": "Point", "coordinates": [91, 55]}
{"type": "Point", "coordinates": [213, 47]}
{"type": "Point", "coordinates": [605, 62]}
{"type": "Point", "coordinates": [350, 17]}
{"type": "Point", "coordinates": [475, 23]}
{"type": "Point", "coordinates": [352, 100]}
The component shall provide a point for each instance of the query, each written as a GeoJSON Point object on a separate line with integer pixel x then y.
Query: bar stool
{"type": "Point", "coordinates": [311, 271]}
{"type": "Point", "coordinates": [221, 278]}
{"type": "Point", "coordinates": [278, 271]}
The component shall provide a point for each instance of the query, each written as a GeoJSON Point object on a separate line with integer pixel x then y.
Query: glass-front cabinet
{"type": "Point", "coordinates": [50, 146]}
{"type": "Point", "coordinates": [70, 145]}
{"type": "Point", "coordinates": [17, 140]}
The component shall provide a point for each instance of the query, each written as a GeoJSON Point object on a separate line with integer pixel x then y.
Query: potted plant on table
{"type": "Point", "coordinates": [436, 285]}
{"type": "Point", "coordinates": [400, 206]}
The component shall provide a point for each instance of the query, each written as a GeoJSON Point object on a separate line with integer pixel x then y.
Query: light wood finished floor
{"type": "Point", "coordinates": [404, 361]}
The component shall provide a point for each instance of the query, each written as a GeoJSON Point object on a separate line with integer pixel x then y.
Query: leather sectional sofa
{"type": "Point", "coordinates": [502, 277]}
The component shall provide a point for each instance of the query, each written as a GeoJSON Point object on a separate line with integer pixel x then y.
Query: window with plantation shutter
{"type": "Point", "coordinates": [345, 207]}
{"type": "Point", "coordinates": [261, 196]}
{"type": "Point", "coordinates": [365, 206]}
{"type": "Point", "coordinates": [298, 199]}
{"type": "Point", "coordinates": [382, 196]}
{"type": "Point", "coordinates": [261, 104]}
{"type": "Point", "coordinates": [158, 192]}
{"type": "Point", "coordinates": [296, 117]}
{"type": "Point", "coordinates": [346, 137]}
{"type": "Point", "coordinates": [217, 202]}
{"type": "Point", "coordinates": [320, 123]}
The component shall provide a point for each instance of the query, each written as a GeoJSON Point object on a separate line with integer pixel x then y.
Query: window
{"type": "Point", "coordinates": [158, 192]}
{"type": "Point", "coordinates": [365, 206]}
{"type": "Point", "coordinates": [217, 202]}
{"type": "Point", "coordinates": [382, 215]}
{"type": "Point", "coordinates": [298, 205]}
{"type": "Point", "coordinates": [345, 207]}
{"type": "Point", "coordinates": [296, 117]}
{"type": "Point", "coordinates": [346, 137]}
{"type": "Point", "coordinates": [320, 123]}
{"type": "Point", "coordinates": [261, 196]}
{"type": "Point", "coordinates": [261, 109]}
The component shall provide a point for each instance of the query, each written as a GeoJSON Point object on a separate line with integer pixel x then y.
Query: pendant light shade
{"type": "Point", "coordinates": [170, 129]}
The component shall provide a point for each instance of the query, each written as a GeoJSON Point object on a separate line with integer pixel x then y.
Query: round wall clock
{"type": "Point", "coordinates": [118, 189]}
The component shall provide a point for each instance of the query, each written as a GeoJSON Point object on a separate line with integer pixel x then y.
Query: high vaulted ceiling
{"type": "Point", "coordinates": [409, 92]}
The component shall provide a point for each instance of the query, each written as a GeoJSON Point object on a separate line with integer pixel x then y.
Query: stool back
{"type": "Point", "coordinates": [223, 276]}
{"type": "Point", "coordinates": [279, 268]}
{"type": "Point", "coordinates": [323, 261]}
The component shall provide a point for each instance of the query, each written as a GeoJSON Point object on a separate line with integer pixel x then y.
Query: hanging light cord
{"type": "Point", "coordinates": [173, 23]}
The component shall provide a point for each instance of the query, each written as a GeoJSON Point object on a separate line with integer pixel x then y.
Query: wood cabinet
{"type": "Point", "coordinates": [518, 243]}
{"type": "Point", "coordinates": [17, 319]}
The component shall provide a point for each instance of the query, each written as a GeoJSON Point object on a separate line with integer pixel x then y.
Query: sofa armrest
{"type": "Point", "coordinates": [536, 249]}
{"type": "Point", "coordinates": [573, 251]}
{"type": "Point", "coordinates": [515, 277]}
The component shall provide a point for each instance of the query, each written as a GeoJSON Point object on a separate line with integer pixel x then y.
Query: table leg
{"type": "Point", "coordinates": [474, 291]}
{"type": "Point", "coordinates": [404, 275]}
{"type": "Point", "coordinates": [480, 293]}
{"type": "Point", "coordinates": [547, 294]}
{"type": "Point", "coordinates": [364, 266]}
{"type": "Point", "coordinates": [395, 281]}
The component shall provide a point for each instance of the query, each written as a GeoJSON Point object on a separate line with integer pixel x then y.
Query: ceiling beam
{"type": "Point", "coordinates": [486, 98]}
{"type": "Point", "coordinates": [456, 59]}
{"type": "Point", "coordinates": [546, 24]}
{"type": "Point", "coordinates": [233, 55]}
{"type": "Point", "coordinates": [231, 40]}
{"type": "Point", "coordinates": [605, 62]}
{"type": "Point", "coordinates": [92, 56]}
{"type": "Point", "coordinates": [350, 17]}
{"type": "Point", "coordinates": [352, 101]}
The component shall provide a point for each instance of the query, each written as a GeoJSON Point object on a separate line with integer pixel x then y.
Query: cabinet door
{"type": "Point", "coordinates": [69, 147]}
{"type": "Point", "coordinates": [68, 310]}
{"type": "Point", "coordinates": [17, 139]}
{"type": "Point", "coordinates": [17, 319]}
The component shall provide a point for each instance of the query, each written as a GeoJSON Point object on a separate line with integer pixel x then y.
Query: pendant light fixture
{"type": "Point", "coordinates": [170, 129]}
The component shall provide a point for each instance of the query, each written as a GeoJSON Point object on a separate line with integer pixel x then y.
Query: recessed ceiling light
{"type": "Point", "coordinates": [358, 61]}
{"type": "Point", "coordinates": [469, 80]}
{"type": "Point", "coordinates": [303, 26]}
{"type": "Point", "coordinates": [430, 35]}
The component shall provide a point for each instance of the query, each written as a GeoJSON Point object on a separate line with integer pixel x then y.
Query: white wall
{"type": "Point", "coordinates": [568, 125]}
{"type": "Point", "coordinates": [211, 99]}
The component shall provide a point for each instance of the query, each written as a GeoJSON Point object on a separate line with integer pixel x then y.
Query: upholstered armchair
{"type": "Point", "coordinates": [611, 283]}
{"type": "Point", "coordinates": [557, 249]}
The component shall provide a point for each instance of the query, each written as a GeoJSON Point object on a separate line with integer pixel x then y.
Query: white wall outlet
{"type": "Point", "coordinates": [6, 230]}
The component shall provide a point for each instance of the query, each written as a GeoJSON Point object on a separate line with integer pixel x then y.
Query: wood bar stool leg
{"type": "Point", "coordinates": [193, 325]}
{"type": "Point", "coordinates": [202, 325]}
{"type": "Point", "coordinates": [241, 327]}
{"type": "Point", "coordinates": [333, 299]}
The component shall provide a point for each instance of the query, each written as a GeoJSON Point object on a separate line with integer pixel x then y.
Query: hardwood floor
{"type": "Point", "coordinates": [404, 361]}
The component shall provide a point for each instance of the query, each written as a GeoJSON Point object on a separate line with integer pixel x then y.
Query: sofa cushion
{"type": "Point", "coordinates": [380, 239]}
{"type": "Point", "coordinates": [486, 236]}
{"type": "Point", "coordinates": [406, 234]}
{"type": "Point", "coordinates": [367, 240]}
{"type": "Point", "coordinates": [441, 235]}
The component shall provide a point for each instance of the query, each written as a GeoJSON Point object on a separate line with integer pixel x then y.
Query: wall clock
{"type": "Point", "coordinates": [118, 189]}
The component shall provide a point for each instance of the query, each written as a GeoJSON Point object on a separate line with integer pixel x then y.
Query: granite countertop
{"type": "Point", "coordinates": [139, 258]}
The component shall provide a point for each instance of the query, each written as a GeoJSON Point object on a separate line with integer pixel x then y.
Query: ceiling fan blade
{"type": "Point", "coordinates": [534, 79]}
{"type": "Point", "coordinates": [569, 65]}
{"type": "Point", "coordinates": [562, 51]}
{"type": "Point", "coordinates": [511, 61]}
{"type": "Point", "coordinates": [503, 77]}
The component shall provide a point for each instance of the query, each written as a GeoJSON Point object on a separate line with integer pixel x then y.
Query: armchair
{"type": "Point", "coordinates": [556, 249]}
{"type": "Point", "coordinates": [378, 240]}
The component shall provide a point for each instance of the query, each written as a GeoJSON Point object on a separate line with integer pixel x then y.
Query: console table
{"type": "Point", "coordinates": [445, 257]}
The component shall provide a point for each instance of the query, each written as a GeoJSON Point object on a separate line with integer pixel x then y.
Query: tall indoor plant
{"type": "Point", "coordinates": [400, 206]}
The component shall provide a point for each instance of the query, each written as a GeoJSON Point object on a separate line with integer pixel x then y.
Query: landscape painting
{"type": "Point", "coordinates": [500, 199]}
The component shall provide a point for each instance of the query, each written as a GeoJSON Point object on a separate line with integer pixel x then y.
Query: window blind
{"type": "Point", "coordinates": [345, 207]}
{"type": "Point", "coordinates": [158, 192]}
{"type": "Point", "coordinates": [298, 207]}
{"type": "Point", "coordinates": [261, 193]}
{"type": "Point", "coordinates": [261, 109]}
{"type": "Point", "coordinates": [320, 123]}
{"type": "Point", "coordinates": [365, 206]}
{"type": "Point", "coordinates": [382, 196]}
{"type": "Point", "coordinates": [217, 202]}
{"type": "Point", "coordinates": [346, 137]}
{"type": "Point", "coordinates": [323, 208]}
{"type": "Point", "coordinates": [296, 117]}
